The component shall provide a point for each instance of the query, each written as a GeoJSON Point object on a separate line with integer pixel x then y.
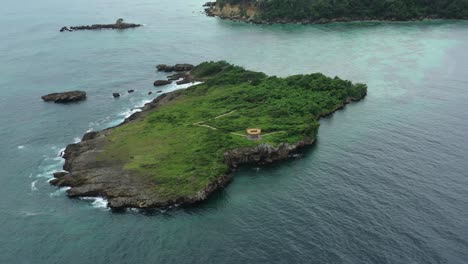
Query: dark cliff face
{"type": "Point", "coordinates": [263, 153]}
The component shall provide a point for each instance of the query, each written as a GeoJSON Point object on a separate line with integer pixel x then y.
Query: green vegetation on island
{"type": "Point", "coordinates": [181, 144]}
{"type": "Point", "coordinates": [338, 10]}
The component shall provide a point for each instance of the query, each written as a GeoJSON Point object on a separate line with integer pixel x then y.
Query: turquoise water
{"type": "Point", "coordinates": [387, 181]}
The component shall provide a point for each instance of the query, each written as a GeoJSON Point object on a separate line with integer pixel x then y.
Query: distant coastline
{"type": "Point", "coordinates": [251, 13]}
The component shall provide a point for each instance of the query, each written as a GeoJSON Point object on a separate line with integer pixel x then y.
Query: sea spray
{"type": "Point", "coordinates": [97, 202]}
{"type": "Point", "coordinates": [33, 186]}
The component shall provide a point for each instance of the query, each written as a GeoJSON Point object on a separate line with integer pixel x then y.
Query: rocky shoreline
{"type": "Point", "coordinates": [89, 176]}
{"type": "Point", "coordinates": [213, 10]}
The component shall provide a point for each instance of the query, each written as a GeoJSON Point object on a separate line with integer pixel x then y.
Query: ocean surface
{"type": "Point", "coordinates": [387, 181]}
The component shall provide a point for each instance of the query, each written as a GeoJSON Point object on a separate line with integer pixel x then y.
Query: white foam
{"type": "Point", "coordinates": [98, 123]}
{"type": "Point", "coordinates": [97, 202]}
{"type": "Point", "coordinates": [76, 140]}
{"type": "Point", "coordinates": [61, 152]}
{"type": "Point", "coordinates": [187, 85]}
{"type": "Point", "coordinates": [129, 112]}
{"type": "Point", "coordinates": [26, 213]}
{"type": "Point", "coordinates": [132, 209]}
{"type": "Point", "coordinates": [21, 147]}
{"type": "Point", "coordinates": [33, 186]}
{"type": "Point", "coordinates": [60, 191]}
{"type": "Point", "coordinates": [89, 130]}
{"type": "Point", "coordinates": [46, 174]}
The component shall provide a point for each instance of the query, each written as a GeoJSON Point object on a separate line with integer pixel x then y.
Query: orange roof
{"type": "Point", "coordinates": [254, 131]}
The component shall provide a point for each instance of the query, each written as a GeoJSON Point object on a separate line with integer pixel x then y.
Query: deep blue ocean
{"type": "Point", "coordinates": [387, 181]}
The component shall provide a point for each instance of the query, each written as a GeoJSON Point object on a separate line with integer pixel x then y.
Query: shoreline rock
{"type": "Point", "coordinates": [161, 82]}
{"type": "Point", "coordinates": [65, 97]}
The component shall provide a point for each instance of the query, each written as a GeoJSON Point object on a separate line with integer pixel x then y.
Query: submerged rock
{"type": "Point", "coordinates": [130, 91]}
{"type": "Point", "coordinates": [65, 97]}
{"type": "Point", "coordinates": [115, 95]}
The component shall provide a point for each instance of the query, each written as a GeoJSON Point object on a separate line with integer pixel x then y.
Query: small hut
{"type": "Point", "coordinates": [254, 133]}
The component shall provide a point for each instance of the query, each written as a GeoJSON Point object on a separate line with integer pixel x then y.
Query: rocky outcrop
{"type": "Point", "coordinates": [177, 76]}
{"type": "Point", "coordinates": [241, 12]}
{"type": "Point", "coordinates": [119, 24]}
{"type": "Point", "coordinates": [115, 95]}
{"type": "Point", "coordinates": [65, 29]}
{"type": "Point", "coordinates": [65, 97]}
{"type": "Point", "coordinates": [176, 68]}
{"type": "Point", "coordinates": [263, 153]}
{"type": "Point", "coordinates": [182, 75]}
{"type": "Point", "coordinates": [161, 82]}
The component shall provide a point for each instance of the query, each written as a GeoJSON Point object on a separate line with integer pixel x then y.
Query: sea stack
{"type": "Point", "coordinates": [65, 97]}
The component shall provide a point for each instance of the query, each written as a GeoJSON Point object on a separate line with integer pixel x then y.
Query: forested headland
{"type": "Point", "coordinates": [316, 11]}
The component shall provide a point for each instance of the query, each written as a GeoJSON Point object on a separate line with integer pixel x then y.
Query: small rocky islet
{"type": "Point", "coordinates": [119, 24]}
{"type": "Point", "coordinates": [65, 97]}
{"type": "Point", "coordinates": [184, 145]}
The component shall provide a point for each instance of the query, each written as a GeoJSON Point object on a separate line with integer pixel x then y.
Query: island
{"type": "Point", "coordinates": [185, 144]}
{"type": "Point", "coordinates": [119, 24]}
{"type": "Point", "coordinates": [325, 11]}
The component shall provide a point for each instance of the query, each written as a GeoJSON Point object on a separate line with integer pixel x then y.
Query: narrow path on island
{"type": "Point", "coordinates": [200, 123]}
{"type": "Point", "coordinates": [225, 114]}
{"type": "Point", "coordinates": [208, 126]}
{"type": "Point", "coordinates": [214, 128]}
